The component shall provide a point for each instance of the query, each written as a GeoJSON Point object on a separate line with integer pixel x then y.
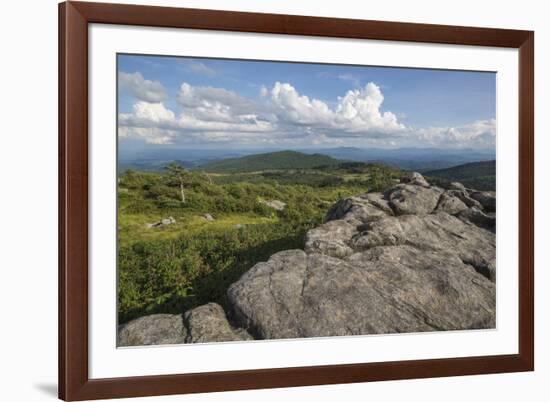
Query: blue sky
{"type": "Point", "coordinates": [217, 103]}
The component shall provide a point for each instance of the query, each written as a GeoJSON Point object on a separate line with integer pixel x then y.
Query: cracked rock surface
{"type": "Point", "coordinates": [414, 258]}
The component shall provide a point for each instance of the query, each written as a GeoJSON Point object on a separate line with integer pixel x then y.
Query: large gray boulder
{"type": "Point", "coordinates": [486, 198]}
{"type": "Point", "coordinates": [331, 238]}
{"type": "Point", "coordinates": [360, 209]}
{"type": "Point", "coordinates": [479, 218]}
{"type": "Point", "coordinates": [409, 199]}
{"type": "Point", "coordinates": [456, 186]}
{"type": "Point", "coordinates": [416, 179]}
{"type": "Point", "coordinates": [155, 329]}
{"type": "Point", "coordinates": [450, 204]}
{"type": "Point", "coordinates": [464, 196]}
{"type": "Point", "coordinates": [381, 290]}
{"type": "Point", "coordinates": [439, 232]}
{"type": "Point", "coordinates": [208, 323]}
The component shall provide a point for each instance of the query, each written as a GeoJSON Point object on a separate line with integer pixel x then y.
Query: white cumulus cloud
{"type": "Point", "coordinates": [481, 133]}
{"type": "Point", "coordinates": [208, 114]}
{"type": "Point", "coordinates": [140, 88]}
{"type": "Point", "coordinates": [295, 108]}
{"type": "Point", "coordinates": [209, 99]}
{"type": "Point", "coordinates": [281, 116]}
{"type": "Point", "coordinates": [357, 113]}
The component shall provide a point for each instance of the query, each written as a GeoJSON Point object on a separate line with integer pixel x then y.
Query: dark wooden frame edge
{"type": "Point", "coordinates": [74, 383]}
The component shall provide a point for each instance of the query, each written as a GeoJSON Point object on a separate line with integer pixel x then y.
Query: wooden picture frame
{"type": "Point", "coordinates": [74, 381]}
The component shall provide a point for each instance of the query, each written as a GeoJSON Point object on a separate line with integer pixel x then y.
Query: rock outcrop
{"type": "Point", "coordinates": [414, 258]}
{"type": "Point", "coordinates": [208, 323]}
{"type": "Point", "coordinates": [382, 290]}
{"type": "Point", "coordinates": [163, 222]}
{"type": "Point", "coordinates": [155, 329]}
{"type": "Point", "coordinates": [331, 238]}
{"type": "Point", "coordinates": [274, 204]}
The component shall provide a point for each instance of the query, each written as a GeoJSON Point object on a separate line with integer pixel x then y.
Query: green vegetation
{"type": "Point", "coordinates": [270, 161]}
{"type": "Point", "coordinates": [174, 267]}
{"type": "Point", "coordinates": [478, 175]}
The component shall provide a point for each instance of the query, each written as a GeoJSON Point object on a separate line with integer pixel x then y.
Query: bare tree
{"type": "Point", "coordinates": [179, 176]}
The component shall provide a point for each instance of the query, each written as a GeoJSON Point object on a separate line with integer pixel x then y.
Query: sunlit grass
{"type": "Point", "coordinates": [133, 227]}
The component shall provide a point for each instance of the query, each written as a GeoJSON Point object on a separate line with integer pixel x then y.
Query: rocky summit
{"type": "Point", "coordinates": [414, 258]}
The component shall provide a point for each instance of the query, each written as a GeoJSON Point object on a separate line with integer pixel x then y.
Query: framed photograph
{"type": "Point", "coordinates": [260, 200]}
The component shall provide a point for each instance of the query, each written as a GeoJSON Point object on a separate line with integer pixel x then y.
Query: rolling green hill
{"type": "Point", "coordinates": [269, 161]}
{"type": "Point", "coordinates": [478, 175]}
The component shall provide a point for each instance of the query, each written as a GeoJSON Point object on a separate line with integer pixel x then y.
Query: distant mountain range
{"type": "Point", "coordinates": [270, 161]}
{"type": "Point", "coordinates": [478, 175]}
{"type": "Point", "coordinates": [419, 159]}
